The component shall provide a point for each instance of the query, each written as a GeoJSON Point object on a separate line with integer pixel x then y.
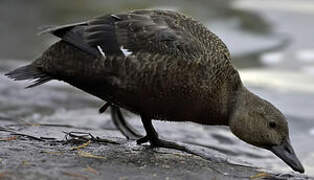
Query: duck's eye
{"type": "Point", "coordinates": [272, 124]}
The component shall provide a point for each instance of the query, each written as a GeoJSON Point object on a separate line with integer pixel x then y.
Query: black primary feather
{"type": "Point", "coordinates": [73, 34]}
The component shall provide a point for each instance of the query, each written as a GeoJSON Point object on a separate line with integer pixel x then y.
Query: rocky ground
{"type": "Point", "coordinates": [55, 151]}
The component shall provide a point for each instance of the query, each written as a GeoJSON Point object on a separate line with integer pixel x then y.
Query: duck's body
{"type": "Point", "coordinates": [177, 70]}
{"type": "Point", "coordinates": [159, 64]}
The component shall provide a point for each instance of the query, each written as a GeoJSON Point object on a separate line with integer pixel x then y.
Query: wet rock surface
{"type": "Point", "coordinates": [27, 158]}
{"type": "Point", "coordinates": [34, 151]}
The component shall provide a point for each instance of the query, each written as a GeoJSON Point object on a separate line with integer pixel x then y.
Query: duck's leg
{"type": "Point", "coordinates": [153, 139]}
{"type": "Point", "coordinates": [124, 127]}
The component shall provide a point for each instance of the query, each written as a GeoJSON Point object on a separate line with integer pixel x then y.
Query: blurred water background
{"type": "Point", "coordinates": [271, 43]}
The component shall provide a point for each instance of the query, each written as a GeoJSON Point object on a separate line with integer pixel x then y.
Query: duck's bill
{"type": "Point", "coordinates": [286, 153]}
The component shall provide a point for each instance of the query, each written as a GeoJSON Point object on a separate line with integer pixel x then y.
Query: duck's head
{"type": "Point", "coordinates": [259, 123]}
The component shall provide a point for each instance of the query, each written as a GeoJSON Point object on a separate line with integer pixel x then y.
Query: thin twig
{"type": "Point", "coordinates": [28, 136]}
{"type": "Point", "coordinates": [84, 136]}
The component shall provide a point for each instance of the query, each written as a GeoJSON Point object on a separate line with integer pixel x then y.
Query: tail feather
{"type": "Point", "coordinates": [29, 72]}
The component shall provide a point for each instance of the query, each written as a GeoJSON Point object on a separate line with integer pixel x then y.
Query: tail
{"type": "Point", "coordinates": [29, 72]}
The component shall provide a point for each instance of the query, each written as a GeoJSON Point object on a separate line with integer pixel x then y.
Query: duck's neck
{"type": "Point", "coordinates": [241, 116]}
{"type": "Point", "coordinates": [238, 105]}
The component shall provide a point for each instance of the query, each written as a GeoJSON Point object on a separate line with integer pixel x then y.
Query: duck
{"type": "Point", "coordinates": [161, 65]}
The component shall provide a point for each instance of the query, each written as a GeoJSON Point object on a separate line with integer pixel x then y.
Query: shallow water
{"type": "Point", "coordinates": [272, 47]}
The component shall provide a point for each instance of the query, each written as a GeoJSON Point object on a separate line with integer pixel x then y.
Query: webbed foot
{"type": "Point", "coordinates": [154, 140]}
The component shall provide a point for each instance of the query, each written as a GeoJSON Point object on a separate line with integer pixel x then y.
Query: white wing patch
{"type": "Point", "coordinates": [101, 51]}
{"type": "Point", "coordinates": [126, 52]}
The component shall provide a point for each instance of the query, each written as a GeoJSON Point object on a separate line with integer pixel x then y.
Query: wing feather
{"type": "Point", "coordinates": [137, 31]}
{"type": "Point", "coordinates": [142, 32]}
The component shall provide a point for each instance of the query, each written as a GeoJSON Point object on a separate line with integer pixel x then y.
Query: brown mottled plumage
{"type": "Point", "coordinates": [161, 65]}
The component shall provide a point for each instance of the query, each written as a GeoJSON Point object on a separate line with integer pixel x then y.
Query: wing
{"type": "Point", "coordinates": [72, 34]}
{"type": "Point", "coordinates": [150, 31]}
{"type": "Point", "coordinates": [142, 31]}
